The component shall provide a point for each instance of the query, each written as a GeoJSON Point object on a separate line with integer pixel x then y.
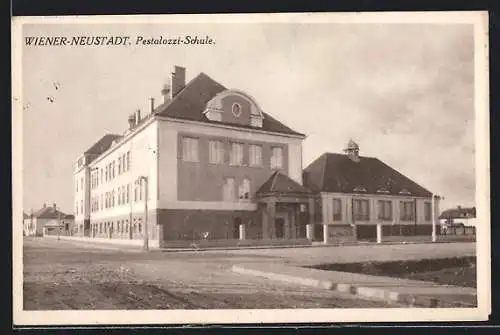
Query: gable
{"type": "Point", "coordinates": [203, 94]}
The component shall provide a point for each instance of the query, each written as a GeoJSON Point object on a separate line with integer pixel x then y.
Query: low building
{"type": "Point", "coordinates": [459, 220]}
{"type": "Point", "coordinates": [48, 215]}
{"type": "Point", "coordinates": [356, 194]}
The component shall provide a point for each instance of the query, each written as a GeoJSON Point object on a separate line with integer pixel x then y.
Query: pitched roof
{"type": "Point", "coordinates": [190, 102]}
{"type": "Point", "coordinates": [333, 172]}
{"type": "Point", "coordinates": [281, 183]}
{"type": "Point", "coordinates": [49, 212]}
{"type": "Point", "coordinates": [458, 212]}
{"type": "Point", "coordinates": [103, 144]}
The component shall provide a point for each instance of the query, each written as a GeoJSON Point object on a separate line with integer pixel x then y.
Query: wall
{"type": "Point", "coordinates": [143, 149]}
{"type": "Point", "coordinates": [191, 224]}
{"type": "Point", "coordinates": [346, 212]}
{"type": "Point", "coordinates": [203, 181]}
{"type": "Point", "coordinates": [174, 175]}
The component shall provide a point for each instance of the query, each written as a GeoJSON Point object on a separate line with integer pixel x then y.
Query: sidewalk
{"type": "Point", "coordinates": [389, 289]}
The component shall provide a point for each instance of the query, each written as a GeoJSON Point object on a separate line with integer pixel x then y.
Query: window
{"type": "Point", "coordinates": [337, 209]}
{"type": "Point", "coordinates": [385, 210]}
{"type": "Point", "coordinates": [113, 169]}
{"type": "Point", "coordinates": [128, 160]}
{"type": "Point", "coordinates": [407, 210]}
{"type": "Point", "coordinates": [102, 176]}
{"type": "Point", "coordinates": [127, 193]}
{"type": "Point", "coordinates": [112, 198]}
{"type": "Point", "coordinates": [277, 158]}
{"type": "Point", "coordinates": [106, 173]}
{"type": "Point", "coordinates": [255, 152]}
{"type": "Point", "coordinates": [216, 152]}
{"type": "Point", "coordinates": [81, 206]}
{"type": "Point", "coordinates": [97, 177]}
{"type": "Point", "coordinates": [236, 157]}
{"type": "Point", "coordinates": [190, 149]}
{"type": "Point", "coordinates": [81, 183]}
{"type": "Point", "coordinates": [361, 210]}
{"type": "Point", "coordinates": [77, 185]}
{"type": "Point", "coordinates": [228, 189]}
{"type": "Point", "coordinates": [244, 189]}
{"type": "Point", "coordinates": [428, 211]}
{"type": "Point", "coordinates": [119, 165]}
{"type": "Point", "coordinates": [236, 109]}
{"type": "Point", "coordinates": [123, 195]}
{"type": "Point", "coordinates": [135, 191]}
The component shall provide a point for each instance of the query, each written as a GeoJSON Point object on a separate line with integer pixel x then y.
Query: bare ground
{"type": "Point", "coordinates": [61, 276]}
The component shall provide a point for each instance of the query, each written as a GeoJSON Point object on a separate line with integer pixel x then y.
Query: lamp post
{"type": "Point", "coordinates": [146, 233]}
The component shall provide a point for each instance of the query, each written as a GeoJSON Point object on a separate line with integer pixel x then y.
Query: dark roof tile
{"type": "Point", "coordinates": [103, 144]}
{"type": "Point", "coordinates": [190, 102]}
{"type": "Point", "coordinates": [281, 183]}
{"type": "Point", "coordinates": [333, 172]}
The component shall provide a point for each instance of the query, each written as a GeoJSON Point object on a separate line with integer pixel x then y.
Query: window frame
{"type": "Point", "coordinates": [232, 152]}
{"type": "Point", "coordinates": [361, 216]}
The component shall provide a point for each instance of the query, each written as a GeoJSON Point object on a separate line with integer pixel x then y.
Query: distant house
{"type": "Point", "coordinates": [459, 216]}
{"type": "Point", "coordinates": [356, 193]}
{"type": "Point", "coordinates": [46, 216]}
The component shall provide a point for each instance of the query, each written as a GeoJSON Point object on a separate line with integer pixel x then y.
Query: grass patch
{"type": "Point", "coordinates": [459, 271]}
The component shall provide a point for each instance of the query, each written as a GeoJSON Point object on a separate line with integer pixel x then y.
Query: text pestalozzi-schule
{"type": "Point", "coordinates": [116, 40]}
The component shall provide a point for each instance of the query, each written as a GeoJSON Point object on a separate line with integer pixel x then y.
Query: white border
{"type": "Point", "coordinates": [478, 19]}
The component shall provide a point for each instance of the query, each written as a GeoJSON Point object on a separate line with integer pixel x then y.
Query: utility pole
{"type": "Point", "coordinates": [433, 209]}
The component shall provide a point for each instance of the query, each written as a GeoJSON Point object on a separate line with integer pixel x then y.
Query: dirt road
{"type": "Point", "coordinates": [59, 275]}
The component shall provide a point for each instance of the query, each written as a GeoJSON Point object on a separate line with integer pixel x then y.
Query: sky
{"type": "Point", "coordinates": [403, 92]}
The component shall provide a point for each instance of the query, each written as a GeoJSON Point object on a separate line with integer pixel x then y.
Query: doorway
{"type": "Point", "coordinates": [236, 228]}
{"type": "Point", "coordinates": [279, 227]}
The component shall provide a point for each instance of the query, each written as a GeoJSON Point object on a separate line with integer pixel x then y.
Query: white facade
{"type": "Point", "coordinates": [346, 212]}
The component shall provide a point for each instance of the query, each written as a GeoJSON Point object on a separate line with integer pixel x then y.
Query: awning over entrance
{"type": "Point", "coordinates": [286, 207]}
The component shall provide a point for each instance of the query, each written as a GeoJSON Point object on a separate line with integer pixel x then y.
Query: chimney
{"type": "Point", "coordinates": [131, 121]}
{"type": "Point", "coordinates": [137, 116]}
{"type": "Point", "coordinates": [152, 106]}
{"type": "Point", "coordinates": [166, 93]}
{"type": "Point", "coordinates": [178, 80]}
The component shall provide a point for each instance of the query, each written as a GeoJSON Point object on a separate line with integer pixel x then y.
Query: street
{"type": "Point", "coordinates": [59, 275]}
{"type": "Point", "coordinates": [65, 275]}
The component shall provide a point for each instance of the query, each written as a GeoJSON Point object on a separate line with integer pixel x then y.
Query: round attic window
{"type": "Point", "coordinates": [236, 109]}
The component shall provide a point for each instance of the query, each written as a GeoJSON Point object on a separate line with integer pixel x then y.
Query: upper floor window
{"type": "Point", "coordinates": [216, 152]}
{"type": "Point", "coordinates": [361, 210]}
{"type": "Point", "coordinates": [407, 210]}
{"type": "Point", "coordinates": [81, 183]}
{"type": "Point", "coordinates": [337, 209]}
{"type": "Point", "coordinates": [77, 185]}
{"type": "Point", "coordinates": [385, 210]}
{"type": "Point", "coordinates": [236, 157]}
{"type": "Point", "coordinates": [128, 160]}
{"type": "Point", "coordinates": [127, 194]}
{"type": "Point", "coordinates": [236, 109]}
{"type": "Point", "coordinates": [428, 211]}
{"type": "Point", "coordinates": [102, 176]}
{"type": "Point", "coordinates": [113, 169]}
{"type": "Point", "coordinates": [255, 153]}
{"type": "Point", "coordinates": [228, 190]}
{"type": "Point", "coordinates": [119, 165]}
{"type": "Point", "coordinates": [277, 158]}
{"type": "Point", "coordinates": [244, 189]}
{"type": "Point", "coordinates": [190, 149]}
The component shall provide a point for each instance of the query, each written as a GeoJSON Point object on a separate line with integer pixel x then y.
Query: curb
{"type": "Point", "coordinates": [410, 300]}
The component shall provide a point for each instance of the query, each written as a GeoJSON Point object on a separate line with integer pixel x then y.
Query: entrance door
{"type": "Point", "coordinates": [236, 228]}
{"type": "Point", "coordinates": [318, 232]}
{"type": "Point", "coordinates": [279, 226]}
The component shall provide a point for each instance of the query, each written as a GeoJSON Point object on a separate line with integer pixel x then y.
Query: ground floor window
{"type": "Point", "coordinates": [361, 210]}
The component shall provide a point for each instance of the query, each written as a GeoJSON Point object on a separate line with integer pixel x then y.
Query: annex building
{"type": "Point", "coordinates": [208, 165]}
